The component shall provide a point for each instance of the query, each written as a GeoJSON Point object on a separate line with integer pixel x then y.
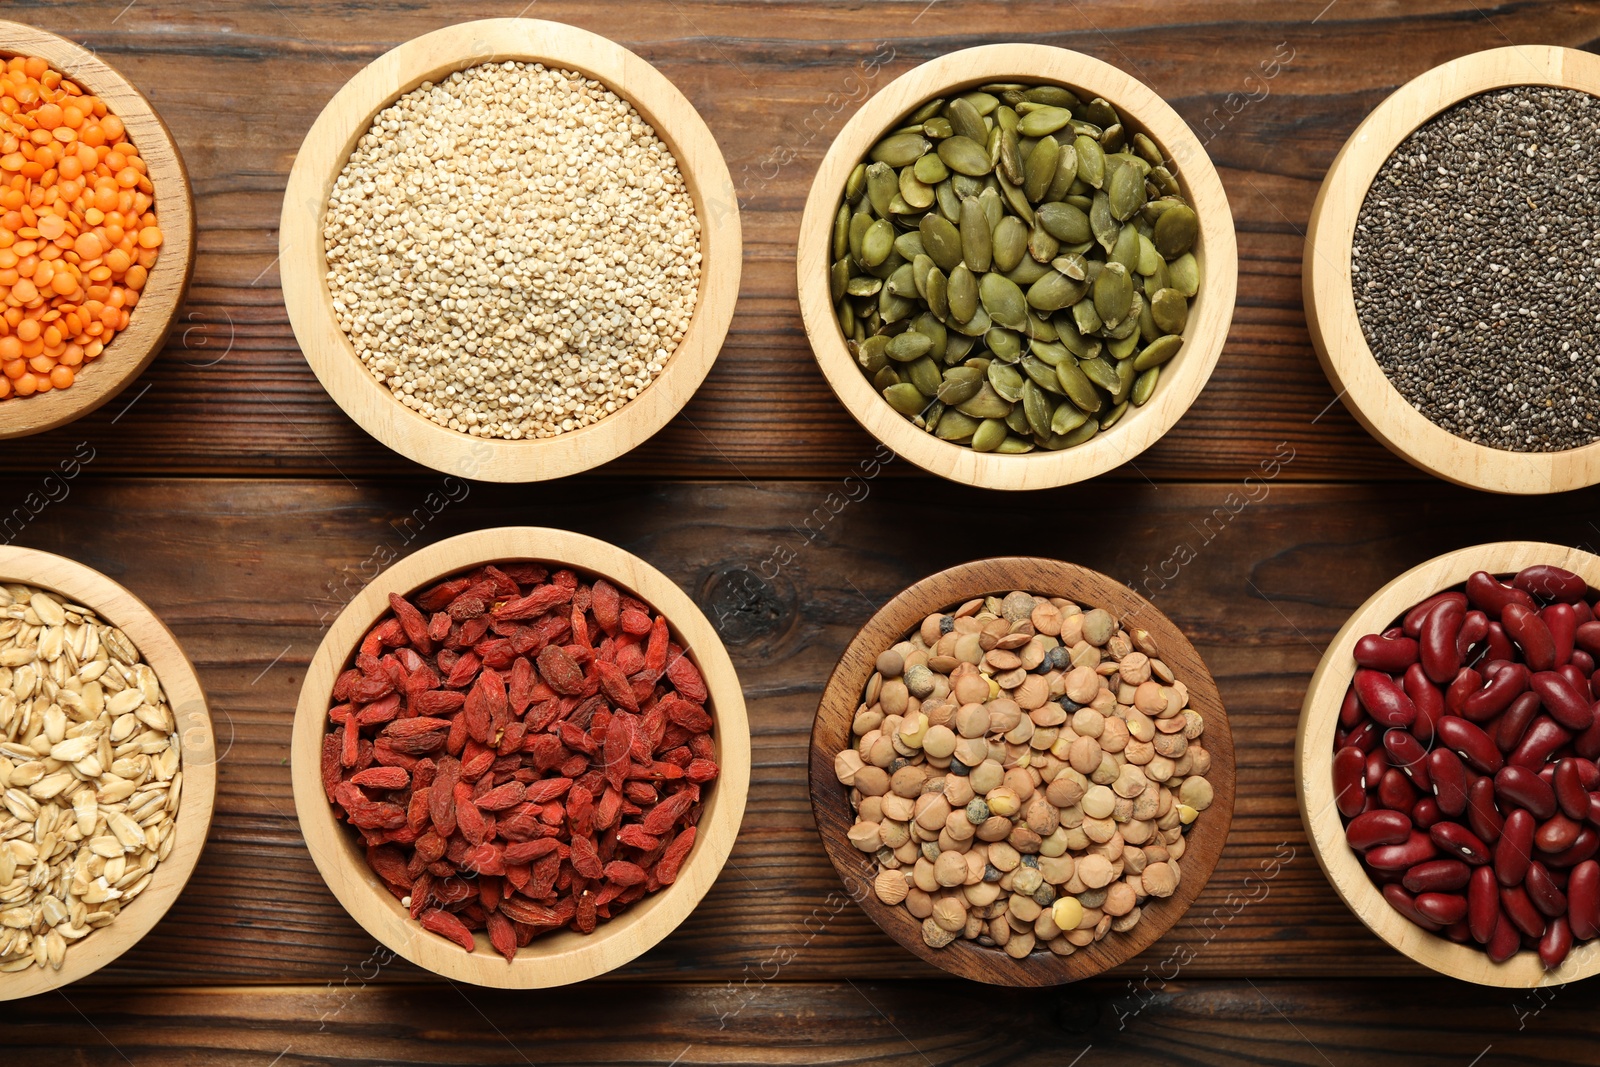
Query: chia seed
{"type": "Point", "coordinates": [1476, 269]}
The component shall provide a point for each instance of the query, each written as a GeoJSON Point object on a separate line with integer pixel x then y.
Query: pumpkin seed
{"type": "Point", "coordinates": [1008, 243]}
{"type": "Point", "coordinates": [1158, 352]}
{"type": "Point", "coordinates": [924, 374]}
{"type": "Point", "coordinates": [886, 376]}
{"type": "Point", "coordinates": [1144, 385]}
{"type": "Point", "coordinates": [1005, 345]}
{"type": "Point", "coordinates": [1049, 353]}
{"type": "Point", "coordinates": [1030, 269]}
{"type": "Point", "coordinates": [903, 282]}
{"type": "Point", "coordinates": [1040, 169]}
{"type": "Point", "coordinates": [900, 149]}
{"type": "Point", "coordinates": [1099, 372]}
{"type": "Point", "coordinates": [1066, 173]}
{"type": "Point", "coordinates": [1064, 222]}
{"type": "Point", "coordinates": [1150, 261]}
{"type": "Point", "coordinates": [937, 128]}
{"type": "Point", "coordinates": [1016, 200]}
{"type": "Point", "coordinates": [965, 156]}
{"type": "Point", "coordinates": [860, 223]}
{"type": "Point", "coordinates": [1085, 317]}
{"type": "Point", "coordinates": [1043, 120]}
{"type": "Point", "coordinates": [978, 325]}
{"type": "Point", "coordinates": [913, 191]}
{"type": "Point", "coordinates": [1147, 150]}
{"type": "Point", "coordinates": [1109, 419]}
{"type": "Point", "coordinates": [863, 285]}
{"type": "Point", "coordinates": [1010, 157]}
{"type": "Point", "coordinates": [908, 346]}
{"type": "Point", "coordinates": [1170, 310]}
{"type": "Point", "coordinates": [1184, 274]}
{"type": "Point", "coordinates": [1042, 246]}
{"type": "Point", "coordinates": [1099, 112]}
{"type": "Point", "coordinates": [1165, 183]}
{"type": "Point", "coordinates": [1077, 387]}
{"type": "Point", "coordinates": [976, 249]}
{"type": "Point", "coordinates": [929, 416]}
{"type": "Point", "coordinates": [1003, 300]}
{"type": "Point", "coordinates": [905, 398]}
{"type": "Point", "coordinates": [883, 184]}
{"type": "Point", "coordinates": [1091, 160]}
{"type": "Point", "coordinates": [847, 319]}
{"type": "Point", "coordinates": [963, 292]}
{"type": "Point", "coordinates": [928, 110]}
{"type": "Point", "coordinates": [985, 404]}
{"type": "Point", "coordinates": [1014, 446]}
{"type": "Point", "coordinates": [855, 186]}
{"type": "Point", "coordinates": [873, 354]}
{"type": "Point", "coordinates": [942, 241]}
{"type": "Point", "coordinates": [1006, 119]}
{"type": "Point", "coordinates": [1126, 249]}
{"type": "Point", "coordinates": [1067, 417]}
{"type": "Point", "coordinates": [1124, 191]}
{"type": "Point", "coordinates": [1078, 436]}
{"type": "Point", "coordinates": [909, 245]}
{"type": "Point", "coordinates": [945, 195]}
{"type": "Point", "coordinates": [877, 243]}
{"type": "Point", "coordinates": [955, 426]}
{"type": "Point", "coordinates": [965, 120]}
{"type": "Point", "coordinates": [893, 308]}
{"type": "Point", "coordinates": [1105, 228]}
{"type": "Point", "coordinates": [1017, 419]}
{"type": "Point", "coordinates": [960, 385]}
{"type": "Point", "coordinates": [937, 292]}
{"type": "Point", "coordinates": [929, 170]}
{"type": "Point", "coordinates": [838, 279]}
{"type": "Point", "coordinates": [1073, 265]}
{"type": "Point", "coordinates": [984, 102]}
{"type": "Point", "coordinates": [1055, 291]}
{"type": "Point", "coordinates": [1125, 379]}
{"type": "Point", "coordinates": [1112, 137]}
{"type": "Point", "coordinates": [1175, 231]}
{"type": "Point", "coordinates": [1113, 293]}
{"type": "Point", "coordinates": [988, 436]}
{"type": "Point", "coordinates": [1042, 374]}
{"type": "Point", "coordinates": [1122, 347]}
{"type": "Point", "coordinates": [1006, 380]}
{"type": "Point", "coordinates": [840, 244]}
{"type": "Point", "coordinates": [1037, 408]}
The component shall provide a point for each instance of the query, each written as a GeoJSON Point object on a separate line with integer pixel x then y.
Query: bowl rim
{"type": "Point", "coordinates": [562, 957]}
{"type": "Point", "coordinates": [1329, 295]}
{"type": "Point", "coordinates": [160, 649]}
{"type": "Point", "coordinates": [842, 694]}
{"type": "Point", "coordinates": [1210, 317]}
{"type": "Point", "coordinates": [322, 156]}
{"type": "Point", "coordinates": [152, 320]}
{"type": "Point", "coordinates": [1313, 760]}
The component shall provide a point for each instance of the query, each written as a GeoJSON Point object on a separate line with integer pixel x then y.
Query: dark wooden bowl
{"type": "Point", "coordinates": [830, 801]}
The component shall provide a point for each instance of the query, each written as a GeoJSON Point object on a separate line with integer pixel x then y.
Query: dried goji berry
{"type": "Point", "coordinates": [655, 656]}
{"type": "Point", "coordinates": [666, 871]}
{"type": "Point", "coordinates": [502, 935]}
{"type": "Point", "coordinates": [446, 924]}
{"type": "Point", "coordinates": [560, 671]}
{"type": "Point", "coordinates": [382, 778]}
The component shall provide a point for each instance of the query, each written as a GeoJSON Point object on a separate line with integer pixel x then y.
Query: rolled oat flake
{"type": "Point", "coordinates": [1476, 269]}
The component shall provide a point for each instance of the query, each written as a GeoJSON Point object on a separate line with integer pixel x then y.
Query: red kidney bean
{"type": "Point", "coordinates": [1514, 723]}
{"type": "Point", "coordinates": [1389, 654]}
{"type": "Point", "coordinates": [1474, 628]}
{"type": "Point", "coordinates": [1483, 904]}
{"type": "Point", "coordinates": [1405, 904]}
{"type": "Point", "coordinates": [1556, 942]}
{"type": "Point", "coordinates": [1470, 743]}
{"type": "Point", "coordinates": [1588, 773]}
{"type": "Point", "coordinates": [1482, 815]}
{"type": "Point", "coordinates": [1385, 701]}
{"type": "Point", "coordinates": [1425, 813]}
{"type": "Point", "coordinates": [1506, 939]}
{"type": "Point", "coordinates": [1579, 680]}
{"type": "Point", "coordinates": [1524, 915]}
{"type": "Point", "coordinates": [1514, 850]}
{"type": "Point", "coordinates": [1443, 908]}
{"type": "Point", "coordinates": [1408, 755]}
{"type": "Point", "coordinates": [1466, 682]}
{"type": "Point", "coordinates": [1544, 736]}
{"type": "Point", "coordinates": [1586, 845]}
{"type": "Point", "coordinates": [1504, 686]}
{"type": "Point", "coordinates": [1543, 891]}
{"type": "Point", "coordinates": [1416, 848]}
{"type": "Point", "coordinates": [1524, 626]}
{"type": "Point", "coordinates": [1581, 660]}
{"type": "Point", "coordinates": [1459, 932]}
{"type": "Point", "coordinates": [1557, 833]}
{"type": "Point", "coordinates": [1564, 703]}
{"type": "Point", "coordinates": [1587, 743]}
{"type": "Point", "coordinates": [1350, 712]}
{"type": "Point", "coordinates": [1437, 876]}
{"type": "Point", "coordinates": [1456, 840]}
{"type": "Point", "coordinates": [1498, 644]}
{"type": "Point", "coordinates": [1551, 583]}
{"type": "Point", "coordinates": [1583, 900]}
{"type": "Point", "coordinates": [1349, 780]}
{"type": "Point", "coordinates": [1380, 827]}
{"type": "Point", "coordinates": [1490, 595]}
{"type": "Point", "coordinates": [1562, 623]}
{"type": "Point", "coordinates": [1396, 792]}
{"type": "Point", "coordinates": [1587, 637]}
{"type": "Point", "coordinates": [1377, 763]}
{"type": "Point", "coordinates": [1449, 777]}
{"type": "Point", "coordinates": [1411, 625]}
{"type": "Point", "coordinates": [1569, 790]}
{"type": "Point", "coordinates": [1365, 737]}
{"type": "Point", "coordinates": [1582, 612]}
{"type": "Point", "coordinates": [1428, 700]}
{"type": "Point", "coordinates": [1522, 788]}
{"type": "Point", "coordinates": [1437, 641]}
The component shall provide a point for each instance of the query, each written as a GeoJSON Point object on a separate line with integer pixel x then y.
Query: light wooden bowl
{"type": "Point", "coordinates": [1209, 315]}
{"type": "Point", "coordinates": [564, 956]}
{"type": "Point", "coordinates": [1330, 297]}
{"type": "Point", "coordinates": [132, 350]}
{"type": "Point", "coordinates": [304, 260]}
{"type": "Point", "coordinates": [115, 605]}
{"type": "Point", "coordinates": [1313, 767]}
{"type": "Point", "coordinates": [830, 733]}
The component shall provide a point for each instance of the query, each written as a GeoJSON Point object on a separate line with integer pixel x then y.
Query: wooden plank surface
{"type": "Point", "coordinates": [247, 572]}
{"type": "Point", "coordinates": [241, 83]}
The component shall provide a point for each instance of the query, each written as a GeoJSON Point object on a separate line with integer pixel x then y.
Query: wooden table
{"type": "Point", "coordinates": [228, 492]}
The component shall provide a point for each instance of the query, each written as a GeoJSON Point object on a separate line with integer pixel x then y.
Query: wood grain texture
{"type": "Point", "coordinates": [1177, 1023]}
{"type": "Point", "coordinates": [1330, 305]}
{"type": "Point", "coordinates": [240, 84]}
{"type": "Point", "coordinates": [135, 348]}
{"type": "Point", "coordinates": [1313, 760]}
{"type": "Point", "coordinates": [559, 957]}
{"type": "Point", "coordinates": [304, 262]}
{"type": "Point", "coordinates": [115, 606]}
{"type": "Point", "coordinates": [249, 575]}
{"type": "Point", "coordinates": [1181, 379]}
{"type": "Point", "coordinates": [831, 732]}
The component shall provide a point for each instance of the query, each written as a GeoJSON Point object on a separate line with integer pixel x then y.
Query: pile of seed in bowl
{"type": "Point", "coordinates": [90, 776]}
{"type": "Point", "coordinates": [1013, 266]}
{"type": "Point", "coordinates": [1475, 264]}
{"type": "Point", "coordinates": [1023, 773]}
{"type": "Point", "coordinates": [513, 251]}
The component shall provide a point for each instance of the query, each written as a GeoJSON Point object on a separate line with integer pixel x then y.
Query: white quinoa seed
{"type": "Point", "coordinates": [512, 251]}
